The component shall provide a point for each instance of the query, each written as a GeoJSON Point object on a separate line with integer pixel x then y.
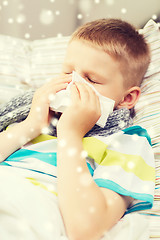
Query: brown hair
{"type": "Point", "coordinates": [121, 41]}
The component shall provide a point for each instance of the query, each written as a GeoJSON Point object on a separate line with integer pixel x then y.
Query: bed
{"type": "Point", "coordinates": [27, 64]}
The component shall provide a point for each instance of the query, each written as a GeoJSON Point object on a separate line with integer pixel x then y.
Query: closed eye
{"type": "Point", "coordinates": [91, 80]}
{"type": "Point", "coordinates": [67, 72]}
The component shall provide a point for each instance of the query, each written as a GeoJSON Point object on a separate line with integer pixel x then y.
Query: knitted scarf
{"type": "Point", "coordinates": [17, 109]}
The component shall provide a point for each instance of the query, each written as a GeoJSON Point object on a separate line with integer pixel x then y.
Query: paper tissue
{"type": "Point", "coordinates": [62, 100]}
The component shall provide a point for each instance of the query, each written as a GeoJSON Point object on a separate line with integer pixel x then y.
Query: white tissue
{"type": "Point", "coordinates": [62, 100]}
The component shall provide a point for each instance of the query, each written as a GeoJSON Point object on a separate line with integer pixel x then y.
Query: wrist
{"type": "Point", "coordinates": [69, 134]}
{"type": "Point", "coordinates": [69, 146]}
{"type": "Point", "coordinates": [31, 128]}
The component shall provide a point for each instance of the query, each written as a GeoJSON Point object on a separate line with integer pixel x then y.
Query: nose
{"type": "Point", "coordinates": [79, 72]}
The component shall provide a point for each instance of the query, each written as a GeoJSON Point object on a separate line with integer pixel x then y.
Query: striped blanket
{"type": "Point", "coordinates": [117, 162]}
{"type": "Point", "coordinates": [122, 162]}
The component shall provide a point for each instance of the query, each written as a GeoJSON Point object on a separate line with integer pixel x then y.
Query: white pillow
{"type": "Point", "coordinates": [47, 56]}
{"type": "Point", "coordinates": [27, 64]}
{"type": "Point", "coordinates": [148, 107]}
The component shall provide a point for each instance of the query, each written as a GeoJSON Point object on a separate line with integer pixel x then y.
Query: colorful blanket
{"type": "Point", "coordinates": [28, 184]}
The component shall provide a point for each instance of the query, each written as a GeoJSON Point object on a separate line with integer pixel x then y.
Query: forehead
{"type": "Point", "coordinates": [84, 55]}
{"type": "Point", "coordinates": [82, 47]}
{"type": "Point", "coordinates": [79, 50]}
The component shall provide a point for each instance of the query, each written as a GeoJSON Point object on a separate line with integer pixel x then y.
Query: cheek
{"type": "Point", "coordinates": [106, 91]}
{"type": "Point", "coordinates": [111, 92]}
{"type": "Point", "coordinates": [101, 89]}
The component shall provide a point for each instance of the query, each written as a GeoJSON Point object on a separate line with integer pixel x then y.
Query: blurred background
{"type": "Point", "coordinates": [38, 19]}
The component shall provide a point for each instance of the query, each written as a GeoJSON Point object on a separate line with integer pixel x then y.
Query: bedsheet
{"type": "Point", "coordinates": [29, 208]}
{"type": "Point", "coordinates": [28, 212]}
{"type": "Point", "coordinates": [33, 214]}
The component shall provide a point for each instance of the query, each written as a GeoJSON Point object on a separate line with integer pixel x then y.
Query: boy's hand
{"type": "Point", "coordinates": [39, 116]}
{"type": "Point", "coordinates": [83, 112]}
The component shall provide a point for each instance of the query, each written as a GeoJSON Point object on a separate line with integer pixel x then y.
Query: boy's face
{"type": "Point", "coordinates": [96, 67]}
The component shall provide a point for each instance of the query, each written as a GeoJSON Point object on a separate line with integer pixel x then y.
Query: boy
{"type": "Point", "coordinates": [95, 191]}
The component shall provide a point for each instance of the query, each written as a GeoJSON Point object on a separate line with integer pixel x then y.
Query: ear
{"type": "Point", "coordinates": [130, 99]}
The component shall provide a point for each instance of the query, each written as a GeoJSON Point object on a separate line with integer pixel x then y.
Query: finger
{"type": "Point", "coordinates": [83, 91]}
{"type": "Point", "coordinates": [49, 93]}
{"type": "Point", "coordinates": [92, 96]}
{"type": "Point", "coordinates": [91, 92]}
{"type": "Point", "coordinates": [59, 87]}
{"type": "Point", "coordinates": [53, 82]}
{"type": "Point", "coordinates": [75, 97]}
{"type": "Point", "coordinates": [55, 85]}
{"type": "Point", "coordinates": [98, 106]}
{"type": "Point", "coordinates": [61, 78]}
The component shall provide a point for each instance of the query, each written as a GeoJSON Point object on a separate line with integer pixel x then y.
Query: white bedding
{"type": "Point", "coordinates": [29, 212]}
